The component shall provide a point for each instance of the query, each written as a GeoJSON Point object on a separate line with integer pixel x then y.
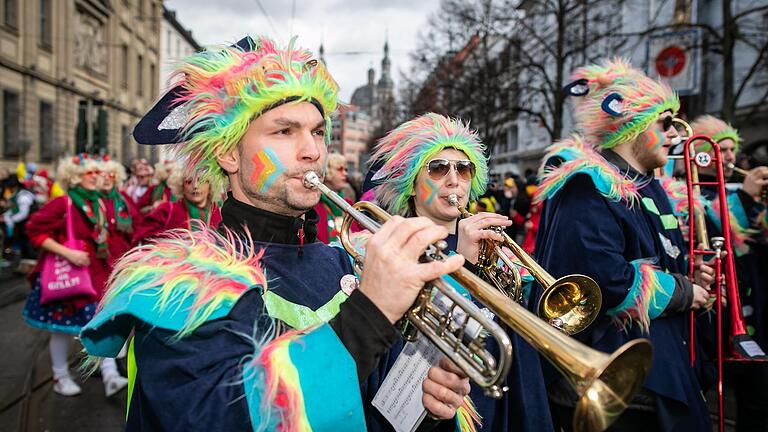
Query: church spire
{"type": "Point", "coordinates": [386, 80]}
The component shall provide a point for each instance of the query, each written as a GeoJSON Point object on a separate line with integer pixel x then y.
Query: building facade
{"type": "Point", "coordinates": [76, 75]}
{"type": "Point", "coordinates": [176, 43]}
{"type": "Point", "coordinates": [370, 115]}
{"type": "Point", "coordinates": [668, 43]}
{"type": "Point", "coordinates": [350, 135]}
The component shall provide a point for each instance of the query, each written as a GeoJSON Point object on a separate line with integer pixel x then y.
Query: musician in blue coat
{"type": "Point", "coordinates": [258, 326]}
{"type": "Point", "coordinates": [606, 216]}
{"type": "Point", "coordinates": [421, 163]}
{"type": "Point", "coordinates": [749, 239]}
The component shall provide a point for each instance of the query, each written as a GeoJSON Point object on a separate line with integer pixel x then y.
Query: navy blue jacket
{"type": "Point", "coordinates": [582, 231]}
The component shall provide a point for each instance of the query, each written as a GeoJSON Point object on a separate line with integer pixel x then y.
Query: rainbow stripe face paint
{"type": "Point", "coordinates": [266, 169]}
{"type": "Point", "coordinates": [655, 139]}
{"type": "Point", "coordinates": [427, 192]}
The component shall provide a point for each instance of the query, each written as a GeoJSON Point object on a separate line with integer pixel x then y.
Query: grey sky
{"type": "Point", "coordinates": [353, 32]}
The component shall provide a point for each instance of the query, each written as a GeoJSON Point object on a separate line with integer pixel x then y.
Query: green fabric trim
{"type": "Point", "coordinates": [299, 316]}
{"type": "Point", "coordinates": [669, 221]}
{"type": "Point", "coordinates": [650, 205]}
{"type": "Point", "coordinates": [130, 365]}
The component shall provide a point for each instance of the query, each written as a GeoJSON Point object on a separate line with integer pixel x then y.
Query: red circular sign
{"type": "Point", "coordinates": [670, 61]}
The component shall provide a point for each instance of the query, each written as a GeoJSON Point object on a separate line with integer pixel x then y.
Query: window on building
{"type": "Point", "coordinates": [168, 44]}
{"type": "Point", "coordinates": [140, 76]}
{"type": "Point", "coordinates": [45, 126]}
{"type": "Point", "coordinates": [9, 13]}
{"type": "Point", "coordinates": [11, 139]}
{"type": "Point", "coordinates": [46, 28]}
{"type": "Point", "coordinates": [141, 8]}
{"type": "Point", "coordinates": [124, 61]}
{"type": "Point", "coordinates": [152, 80]}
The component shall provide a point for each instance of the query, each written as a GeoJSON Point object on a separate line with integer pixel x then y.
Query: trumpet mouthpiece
{"type": "Point", "coordinates": [730, 165]}
{"type": "Point", "coordinates": [677, 140]}
{"type": "Point", "coordinates": [453, 199]}
{"type": "Point", "coordinates": [311, 180]}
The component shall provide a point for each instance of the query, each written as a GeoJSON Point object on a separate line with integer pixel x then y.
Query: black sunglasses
{"type": "Point", "coordinates": [667, 123]}
{"type": "Point", "coordinates": [439, 168]}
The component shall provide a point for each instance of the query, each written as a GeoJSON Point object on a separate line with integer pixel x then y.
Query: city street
{"type": "Point", "coordinates": [27, 400]}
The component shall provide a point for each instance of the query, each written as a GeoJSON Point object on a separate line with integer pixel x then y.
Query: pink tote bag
{"type": "Point", "coordinates": [60, 279]}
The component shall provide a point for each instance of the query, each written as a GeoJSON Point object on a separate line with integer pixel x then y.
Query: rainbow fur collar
{"type": "Point", "coordinates": [677, 191]}
{"type": "Point", "coordinates": [184, 279]}
{"type": "Point", "coordinates": [579, 158]}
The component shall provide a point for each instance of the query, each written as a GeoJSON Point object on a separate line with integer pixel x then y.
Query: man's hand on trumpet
{"type": "Point", "coordinates": [392, 275]}
{"type": "Point", "coordinates": [755, 180]}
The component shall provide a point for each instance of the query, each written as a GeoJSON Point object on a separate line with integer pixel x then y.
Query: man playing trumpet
{"type": "Point", "coordinates": [208, 310]}
{"type": "Point", "coordinates": [606, 216]}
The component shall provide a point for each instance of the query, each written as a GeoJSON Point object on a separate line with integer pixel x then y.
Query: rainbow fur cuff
{"type": "Point", "coordinates": [578, 158]}
{"type": "Point", "coordinates": [175, 283]}
{"type": "Point", "coordinates": [467, 417]}
{"type": "Point", "coordinates": [648, 296]}
{"type": "Point", "coordinates": [301, 381]}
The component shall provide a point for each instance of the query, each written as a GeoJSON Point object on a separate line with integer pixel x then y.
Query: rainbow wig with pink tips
{"type": "Point", "coordinates": [225, 87]}
{"type": "Point", "coordinates": [620, 104]}
{"type": "Point", "coordinates": [716, 129]}
{"type": "Point", "coordinates": [408, 148]}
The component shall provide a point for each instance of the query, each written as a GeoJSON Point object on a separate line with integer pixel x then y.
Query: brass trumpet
{"type": "Point", "coordinates": [569, 304]}
{"type": "Point", "coordinates": [604, 382]}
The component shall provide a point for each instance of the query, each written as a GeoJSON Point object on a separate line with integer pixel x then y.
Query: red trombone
{"type": "Point", "coordinates": [741, 347]}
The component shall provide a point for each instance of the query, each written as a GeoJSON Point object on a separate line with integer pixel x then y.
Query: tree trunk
{"type": "Point", "coordinates": [559, 99]}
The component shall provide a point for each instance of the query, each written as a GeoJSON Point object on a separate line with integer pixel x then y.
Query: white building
{"type": "Point", "coordinates": [176, 42]}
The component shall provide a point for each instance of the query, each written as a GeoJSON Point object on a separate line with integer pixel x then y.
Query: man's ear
{"type": "Point", "coordinates": [230, 161]}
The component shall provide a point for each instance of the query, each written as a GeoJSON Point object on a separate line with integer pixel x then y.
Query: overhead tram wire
{"type": "Point", "coordinates": [266, 15]}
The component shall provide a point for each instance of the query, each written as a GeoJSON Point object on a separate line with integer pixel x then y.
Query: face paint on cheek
{"type": "Point", "coordinates": [428, 192]}
{"type": "Point", "coordinates": [655, 139]}
{"type": "Point", "coordinates": [266, 169]}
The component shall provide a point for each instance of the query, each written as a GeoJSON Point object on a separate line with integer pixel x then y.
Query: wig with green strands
{"type": "Point", "coordinates": [225, 88]}
{"type": "Point", "coordinates": [643, 100]}
{"type": "Point", "coordinates": [716, 129]}
{"type": "Point", "coordinates": [406, 149]}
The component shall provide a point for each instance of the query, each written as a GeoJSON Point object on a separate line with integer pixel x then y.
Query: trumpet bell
{"type": "Point", "coordinates": [605, 396]}
{"type": "Point", "coordinates": [571, 303]}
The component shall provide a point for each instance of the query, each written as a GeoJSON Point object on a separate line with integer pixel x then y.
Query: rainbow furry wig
{"type": "Point", "coordinates": [715, 128]}
{"type": "Point", "coordinates": [616, 103]}
{"type": "Point", "coordinates": [408, 148]}
{"type": "Point", "coordinates": [225, 87]}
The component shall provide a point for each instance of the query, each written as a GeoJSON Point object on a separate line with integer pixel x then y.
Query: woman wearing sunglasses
{"type": "Point", "coordinates": [121, 213]}
{"type": "Point", "coordinates": [423, 162]}
{"type": "Point", "coordinates": [198, 202]}
{"type": "Point", "coordinates": [47, 230]}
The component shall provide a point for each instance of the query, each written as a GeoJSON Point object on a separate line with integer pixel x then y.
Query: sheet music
{"type": "Point", "coordinates": [399, 397]}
